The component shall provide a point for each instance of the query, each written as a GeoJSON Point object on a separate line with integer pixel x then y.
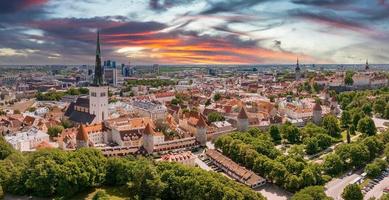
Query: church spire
{"type": "Point", "coordinates": [297, 64]}
{"type": "Point", "coordinates": [367, 65]}
{"type": "Point", "coordinates": [98, 78]}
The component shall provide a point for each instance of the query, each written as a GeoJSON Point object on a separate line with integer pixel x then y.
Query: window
{"type": "Point", "coordinates": [93, 94]}
{"type": "Point", "coordinates": [102, 94]}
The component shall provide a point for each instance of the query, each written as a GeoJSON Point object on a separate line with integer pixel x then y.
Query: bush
{"type": "Point", "coordinates": [100, 195]}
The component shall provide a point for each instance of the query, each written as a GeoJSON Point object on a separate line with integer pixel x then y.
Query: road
{"type": "Point", "coordinates": [377, 190]}
{"type": "Point", "coordinates": [335, 187]}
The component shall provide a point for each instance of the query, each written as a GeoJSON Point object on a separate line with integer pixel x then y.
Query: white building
{"type": "Point", "coordinates": [150, 109]}
{"type": "Point", "coordinates": [27, 140]}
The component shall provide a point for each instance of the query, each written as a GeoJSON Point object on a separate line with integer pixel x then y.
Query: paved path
{"type": "Point", "coordinates": [273, 192]}
{"type": "Point", "coordinates": [379, 123]}
{"type": "Point", "coordinates": [377, 190]}
{"type": "Point", "coordinates": [335, 187]}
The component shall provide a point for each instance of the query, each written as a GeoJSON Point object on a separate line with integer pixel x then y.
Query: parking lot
{"type": "Point", "coordinates": [375, 188]}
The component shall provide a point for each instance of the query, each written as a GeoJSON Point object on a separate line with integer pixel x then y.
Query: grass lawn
{"type": "Point", "coordinates": [114, 193]}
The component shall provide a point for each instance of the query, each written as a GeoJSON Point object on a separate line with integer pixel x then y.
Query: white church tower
{"type": "Point", "coordinates": [98, 91]}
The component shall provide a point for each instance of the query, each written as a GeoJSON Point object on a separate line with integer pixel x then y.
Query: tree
{"type": "Point", "coordinates": [291, 133]}
{"type": "Point", "coordinates": [66, 123]}
{"type": "Point", "coordinates": [275, 134]}
{"type": "Point", "coordinates": [54, 131]}
{"type": "Point", "coordinates": [311, 145]}
{"type": "Point", "coordinates": [215, 117]}
{"type": "Point", "coordinates": [367, 126]}
{"type": "Point", "coordinates": [372, 170]}
{"type": "Point", "coordinates": [356, 117]}
{"type": "Point", "coordinates": [1, 192]}
{"type": "Point", "coordinates": [348, 80]}
{"type": "Point", "coordinates": [379, 106]}
{"type": "Point", "coordinates": [5, 148]}
{"type": "Point", "coordinates": [330, 123]}
{"type": "Point", "coordinates": [311, 193]}
{"type": "Point", "coordinates": [374, 146]}
{"type": "Point", "coordinates": [217, 97]}
{"type": "Point", "coordinates": [333, 165]}
{"type": "Point", "coordinates": [352, 192]}
{"type": "Point", "coordinates": [345, 119]}
{"type": "Point", "coordinates": [17, 111]}
{"type": "Point", "coordinates": [367, 109]}
{"type": "Point", "coordinates": [208, 102]}
{"type": "Point", "coordinates": [386, 114]}
{"type": "Point", "coordinates": [145, 182]}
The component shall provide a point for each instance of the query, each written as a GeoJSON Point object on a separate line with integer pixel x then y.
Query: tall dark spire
{"type": "Point", "coordinates": [367, 65]}
{"type": "Point", "coordinates": [297, 65]}
{"type": "Point", "coordinates": [98, 78]}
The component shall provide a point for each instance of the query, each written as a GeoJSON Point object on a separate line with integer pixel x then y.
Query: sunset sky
{"type": "Point", "coordinates": [194, 31]}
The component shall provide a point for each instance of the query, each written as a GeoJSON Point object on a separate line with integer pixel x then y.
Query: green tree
{"type": "Point", "coordinates": [367, 126]}
{"type": "Point", "coordinates": [311, 193]}
{"type": "Point", "coordinates": [386, 114]}
{"type": "Point", "coordinates": [291, 133]}
{"type": "Point", "coordinates": [5, 148]}
{"type": "Point", "coordinates": [275, 134]}
{"type": "Point", "coordinates": [330, 123]}
{"type": "Point", "coordinates": [356, 117]}
{"type": "Point", "coordinates": [217, 97]}
{"type": "Point", "coordinates": [345, 119]}
{"type": "Point", "coordinates": [372, 170]}
{"type": "Point", "coordinates": [352, 192]}
{"type": "Point", "coordinates": [54, 131]}
{"type": "Point", "coordinates": [311, 145]}
{"type": "Point", "coordinates": [367, 109]}
{"type": "Point", "coordinates": [348, 80]}
{"type": "Point", "coordinates": [333, 165]}
{"type": "Point", "coordinates": [145, 182]}
{"type": "Point", "coordinates": [379, 107]}
{"type": "Point", "coordinates": [17, 111]}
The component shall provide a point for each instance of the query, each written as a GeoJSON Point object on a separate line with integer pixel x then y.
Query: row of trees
{"type": "Point", "coordinates": [56, 96]}
{"type": "Point", "coordinates": [56, 173]}
{"type": "Point", "coordinates": [353, 155]}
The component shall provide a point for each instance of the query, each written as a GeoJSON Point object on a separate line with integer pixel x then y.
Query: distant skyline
{"type": "Point", "coordinates": [194, 31]}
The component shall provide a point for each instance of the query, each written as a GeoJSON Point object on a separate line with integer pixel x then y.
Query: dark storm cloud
{"type": "Point", "coordinates": [230, 6]}
{"type": "Point", "coordinates": [11, 6]}
{"type": "Point", "coordinates": [135, 27]}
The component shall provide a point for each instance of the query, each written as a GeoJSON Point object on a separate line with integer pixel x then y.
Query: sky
{"type": "Point", "coordinates": [194, 31]}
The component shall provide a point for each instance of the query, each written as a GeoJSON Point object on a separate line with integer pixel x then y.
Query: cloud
{"type": "Point", "coordinates": [230, 6]}
{"type": "Point", "coordinates": [11, 6]}
{"type": "Point", "coordinates": [333, 20]}
{"type": "Point", "coordinates": [161, 5]}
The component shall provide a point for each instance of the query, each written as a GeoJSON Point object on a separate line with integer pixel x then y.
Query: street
{"type": "Point", "coordinates": [335, 187]}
